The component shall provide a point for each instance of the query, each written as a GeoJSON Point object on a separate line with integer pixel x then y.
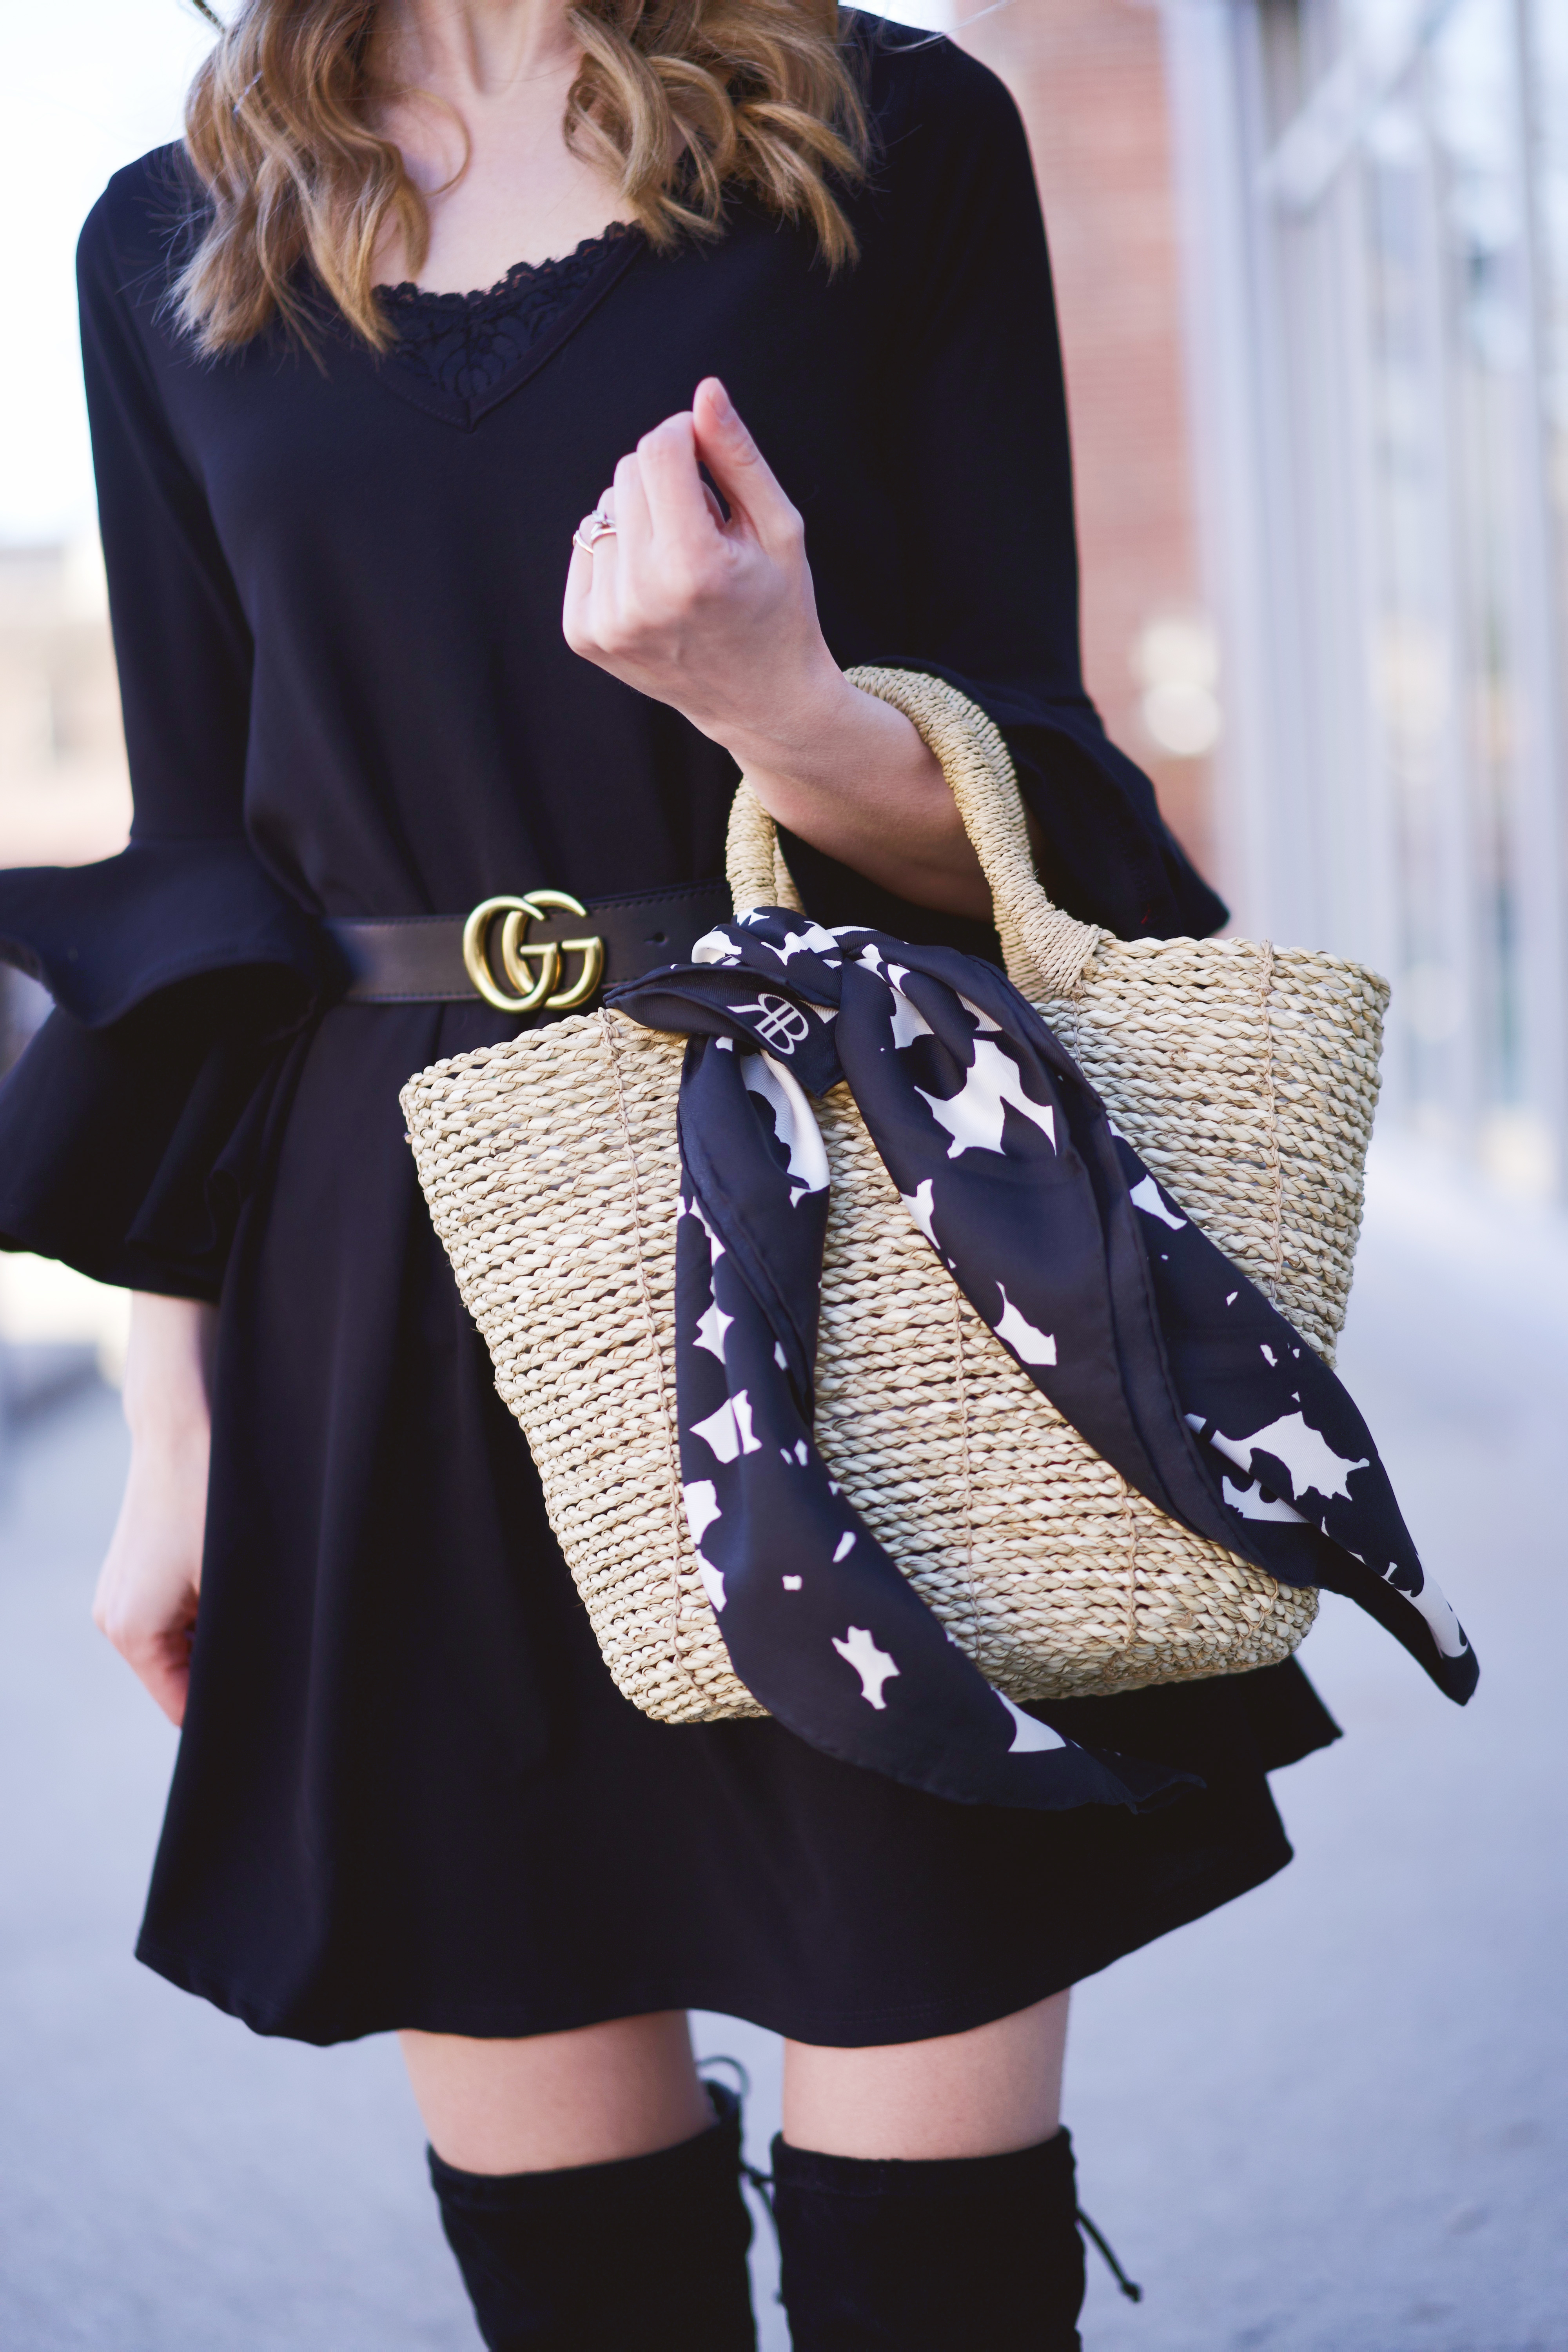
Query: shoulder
{"type": "Point", "coordinates": [923, 86]}
{"type": "Point", "coordinates": [950, 170]}
{"type": "Point", "coordinates": [134, 237]}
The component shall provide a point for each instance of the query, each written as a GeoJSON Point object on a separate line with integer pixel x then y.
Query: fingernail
{"type": "Point", "coordinates": [722, 400]}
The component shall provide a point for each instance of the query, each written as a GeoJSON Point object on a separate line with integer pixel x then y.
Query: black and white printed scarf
{"type": "Point", "coordinates": [1144, 1336]}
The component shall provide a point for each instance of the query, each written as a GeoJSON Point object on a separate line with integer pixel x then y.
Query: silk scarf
{"type": "Point", "coordinates": [1145, 1336]}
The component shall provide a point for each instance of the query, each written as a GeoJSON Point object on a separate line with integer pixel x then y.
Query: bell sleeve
{"type": "Point", "coordinates": [977, 435]}
{"type": "Point", "coordinates": [178, 967]}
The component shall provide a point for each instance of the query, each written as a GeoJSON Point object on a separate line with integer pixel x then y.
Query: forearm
{"type": "Point", "coordinates": [168, 1372]}
{"type": "Point", "coordinates": [849, 774]}
{"type": "Point", "coordinates": [147, 1593]}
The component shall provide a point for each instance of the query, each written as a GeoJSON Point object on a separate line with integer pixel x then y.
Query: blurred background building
{"type": "Point", "coordinates": [1374, 196]}
{"type": "Point", "coordinates": [1313, 271]}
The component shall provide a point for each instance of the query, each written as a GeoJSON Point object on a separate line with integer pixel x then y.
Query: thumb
{"type": "Point", "coordinates": [743, 475]}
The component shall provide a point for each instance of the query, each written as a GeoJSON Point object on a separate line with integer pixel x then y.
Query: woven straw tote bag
{"type": "Point", "coordinates": [1246, 1077]}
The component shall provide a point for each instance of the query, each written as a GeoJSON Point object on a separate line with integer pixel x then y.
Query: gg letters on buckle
{"type": "Point", "coordinates": [518, 953]}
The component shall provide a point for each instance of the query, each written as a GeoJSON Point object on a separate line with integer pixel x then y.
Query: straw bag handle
{"type": "Point", "coordinates": [1046, 952]}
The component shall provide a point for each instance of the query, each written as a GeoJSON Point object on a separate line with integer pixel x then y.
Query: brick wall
{"type": "Point", "coordinates": [1089, 79]}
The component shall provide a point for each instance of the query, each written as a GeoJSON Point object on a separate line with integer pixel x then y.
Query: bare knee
{"type": "Point", "coordinates": [978, 2094]}
{"type": "Point", "coordinates": [595, 2095]}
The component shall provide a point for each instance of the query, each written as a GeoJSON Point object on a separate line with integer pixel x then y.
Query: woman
{"type": "Point", "coordinates": [742, 245]}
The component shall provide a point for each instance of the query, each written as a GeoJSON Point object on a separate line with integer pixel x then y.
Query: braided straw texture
{"type": "Point", "coordinates": [1246, 1079]}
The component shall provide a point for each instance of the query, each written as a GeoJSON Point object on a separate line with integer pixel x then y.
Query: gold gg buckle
{"type": "Point", "coordinates": [517, 953]}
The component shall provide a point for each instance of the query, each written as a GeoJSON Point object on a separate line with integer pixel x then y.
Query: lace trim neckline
{"type": "Point", "coordinates": [518, 278]}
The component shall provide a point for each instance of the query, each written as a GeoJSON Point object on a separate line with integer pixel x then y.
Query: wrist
{"type": "Point", "coordinates": [796, 728]}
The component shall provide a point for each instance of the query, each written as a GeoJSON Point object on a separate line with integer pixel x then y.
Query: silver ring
{"type": "Point", "coordinates": [596, 526]}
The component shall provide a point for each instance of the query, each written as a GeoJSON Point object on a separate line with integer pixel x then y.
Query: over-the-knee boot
{"type": "Point", "coordinates": [949, 2256]}
{"type": "Point", "coordinates": [648, 2256]}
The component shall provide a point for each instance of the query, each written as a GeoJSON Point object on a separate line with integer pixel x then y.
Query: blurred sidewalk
{"type": "Point", "coordinates": [1333, 2118]}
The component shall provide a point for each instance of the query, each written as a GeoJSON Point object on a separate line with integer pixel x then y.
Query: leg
{"type": "Point", "coordinates": [925, 2194]}
{"type": "Point", "coordinates": [979, 2094]}
{"type": "Point", "coordinates": [605, 2092]}
{"type": "Point", "coordinates": [589, 2187]}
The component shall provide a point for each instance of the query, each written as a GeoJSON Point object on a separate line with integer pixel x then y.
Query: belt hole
{"type": "Point", "coordinates": [654, 939]}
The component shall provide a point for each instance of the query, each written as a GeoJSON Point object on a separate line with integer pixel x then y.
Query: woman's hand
{"type": "Point", "coordinates": [148, 1589]}
{"type": "Point", "coordinates": [718, 619]}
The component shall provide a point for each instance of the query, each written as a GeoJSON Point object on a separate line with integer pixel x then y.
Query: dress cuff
{"type": "Point", "coordinates": [103, 938]}
{"type": "Point", "coordinates": [129, 1126]}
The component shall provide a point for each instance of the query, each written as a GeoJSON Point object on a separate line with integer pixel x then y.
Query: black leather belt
{"type": "Point", "coordinates": [540, 951]}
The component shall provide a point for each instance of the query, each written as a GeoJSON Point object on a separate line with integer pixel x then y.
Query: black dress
{"type": "Point", "coordinates": [408, 1793]}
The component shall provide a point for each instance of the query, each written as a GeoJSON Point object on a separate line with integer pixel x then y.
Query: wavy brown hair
{"type": "Point", "coordinates": [679, 101]}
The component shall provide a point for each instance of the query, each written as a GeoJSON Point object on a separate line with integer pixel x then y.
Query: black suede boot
{"type": "Point", "coordinates": [967, 2254]}
{"type": "Point", "coordinates": [645, 2256]}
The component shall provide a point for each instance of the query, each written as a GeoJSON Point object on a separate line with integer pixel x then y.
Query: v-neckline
{"type": "Point", "coordinates": [622, 245]}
